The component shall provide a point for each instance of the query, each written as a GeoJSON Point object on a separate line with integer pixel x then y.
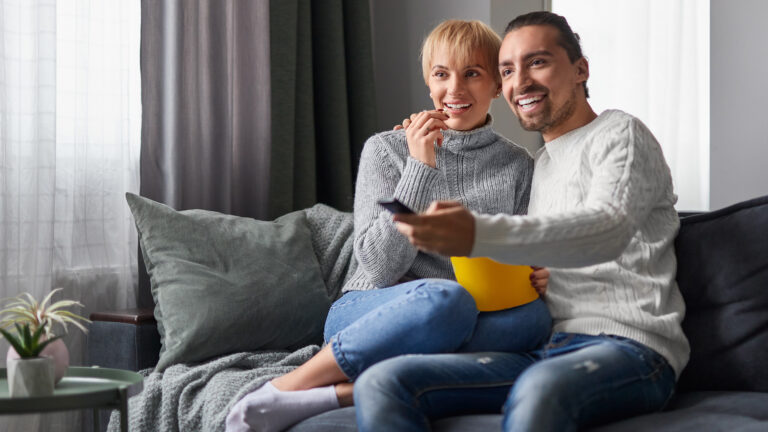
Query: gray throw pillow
{"type": "Point", "coordinates": [225, 284]}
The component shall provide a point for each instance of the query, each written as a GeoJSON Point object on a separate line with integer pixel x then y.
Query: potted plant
{"type": "Point", "coordinates": [25, 309]}
{"type": "Point", "coordinates": [30, 374]}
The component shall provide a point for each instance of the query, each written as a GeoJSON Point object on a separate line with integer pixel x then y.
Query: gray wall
{"type": "Point", "coordinates": [738, 101]}
{"type": "Point", "coordinates": [399, 26]}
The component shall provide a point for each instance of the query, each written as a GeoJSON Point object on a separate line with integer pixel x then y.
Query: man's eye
{"type": "Point", "coordinates": [537, 62]}
{"type": "Point", "coordinates": [506, 72]}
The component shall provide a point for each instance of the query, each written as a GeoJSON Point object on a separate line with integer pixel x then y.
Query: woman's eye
{"type": "Point", "coordinates": [472, 73]}
{"type": "Point", "coordinates": [440, 74]}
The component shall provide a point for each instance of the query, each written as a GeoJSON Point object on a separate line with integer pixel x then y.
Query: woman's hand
{"type": "Point", "coordinates": [423, 130]}
{"type": "Point", "coordinates": [540, 279]}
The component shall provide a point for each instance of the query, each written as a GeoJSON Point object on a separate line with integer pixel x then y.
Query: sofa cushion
{"type": "Point", "coordinates": [723, 276]}
{"type": "Point", "coordinates": [701, 411]}
{"type": "Point", "coordinates": [225, 284]}
{"type": "Point", "coordinates": [731, 411]}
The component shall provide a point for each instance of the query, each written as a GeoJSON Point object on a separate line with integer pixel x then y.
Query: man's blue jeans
{"type": "Point", "coordinates": [573, 382]}
{"type": "Point", "coordinates": [426, 316]}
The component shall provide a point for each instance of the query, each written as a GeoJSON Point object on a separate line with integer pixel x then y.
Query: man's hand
{"type": "Point", "coordinates": [446, 228]}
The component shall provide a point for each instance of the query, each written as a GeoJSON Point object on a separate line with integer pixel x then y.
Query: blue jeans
{"type": "Point", "coordinates": [573, 382]}
{"type": "Point", "coordinates": [426, 316]}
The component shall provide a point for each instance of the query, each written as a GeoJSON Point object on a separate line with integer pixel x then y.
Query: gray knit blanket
{"type": "Point", "coordinates": [198, 397]}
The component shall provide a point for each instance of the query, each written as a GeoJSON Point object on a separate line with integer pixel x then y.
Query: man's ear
{"type": "Point", "coordinates": [582, 70]}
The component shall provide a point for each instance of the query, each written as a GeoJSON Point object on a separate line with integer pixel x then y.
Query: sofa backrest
{"type": "Point", "coordinates": [723, 276]}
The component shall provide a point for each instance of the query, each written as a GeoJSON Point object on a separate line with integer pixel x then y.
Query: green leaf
{"type": "Point", "coordinates": [16, 344]}
{"type": "Point", "coordinates": [45, 343]}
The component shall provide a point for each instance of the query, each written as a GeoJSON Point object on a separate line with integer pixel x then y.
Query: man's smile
{"type": "Point", "coordinates": [529, 103]}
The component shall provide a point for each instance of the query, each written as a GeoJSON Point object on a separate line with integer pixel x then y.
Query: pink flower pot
{"type": "Point", "coordinates": [57, 350]}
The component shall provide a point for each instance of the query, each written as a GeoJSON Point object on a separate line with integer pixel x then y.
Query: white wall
{"type": "Point", "coordinates": [739, 101]}
{"type": "Point", "coordinates": [399, 26]}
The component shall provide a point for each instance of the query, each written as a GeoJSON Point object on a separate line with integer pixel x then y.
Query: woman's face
{"type": "Point", "coordinates": [464, 91]}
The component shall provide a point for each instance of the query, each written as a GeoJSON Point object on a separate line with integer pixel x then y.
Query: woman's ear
{"type": "Point", "coordinates": [498, 91]}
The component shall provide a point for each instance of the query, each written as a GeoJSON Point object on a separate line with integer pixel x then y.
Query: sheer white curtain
{"type": "Point", "coordinates": [69, 150]}
{"type": "Point", "coordinates": [650, 58]}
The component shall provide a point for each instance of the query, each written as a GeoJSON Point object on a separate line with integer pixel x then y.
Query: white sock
{"type": "Point", "coordinates": [268, 409]}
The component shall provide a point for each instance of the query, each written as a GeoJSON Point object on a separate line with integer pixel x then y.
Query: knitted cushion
{"type": "Point", "coordinates": [225, 284]}
{"type": "Point", "coordinates": [723, 276]}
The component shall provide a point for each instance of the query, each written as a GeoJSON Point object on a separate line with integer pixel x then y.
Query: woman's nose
{"type": "Point", "coordinates": [456, 87]}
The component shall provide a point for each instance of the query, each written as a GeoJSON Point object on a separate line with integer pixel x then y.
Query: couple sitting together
{"type": "Point", "coordinates": [596, 217]}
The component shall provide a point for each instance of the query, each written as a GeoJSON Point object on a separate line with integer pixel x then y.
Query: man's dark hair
{"type": "Point", "coordinates": [567, 38]}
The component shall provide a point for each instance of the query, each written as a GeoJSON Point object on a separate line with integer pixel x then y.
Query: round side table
{"type": "Point", "coordinates": [81, 387]}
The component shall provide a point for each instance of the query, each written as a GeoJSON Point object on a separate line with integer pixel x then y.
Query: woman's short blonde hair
{"type": "Point", "coordinates": [464, 39]}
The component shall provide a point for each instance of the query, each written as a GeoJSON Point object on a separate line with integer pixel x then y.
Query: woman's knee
{"type": "Point", "coordinates": [446, 296]}
{"type": "Point", "coordinates": [448, 308]}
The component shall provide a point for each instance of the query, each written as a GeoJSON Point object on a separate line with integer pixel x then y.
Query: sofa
{"type": "Point", "coordinates": [723, 276]}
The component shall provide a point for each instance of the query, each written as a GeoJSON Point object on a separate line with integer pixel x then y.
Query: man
{"type": "Point", "coordinates": [601, 216]}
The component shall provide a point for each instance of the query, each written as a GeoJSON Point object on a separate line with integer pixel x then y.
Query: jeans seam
{"type": "Point", "coordinates": [341, 360]}
{"type": "Point", "coordinates": [656, 361]}
{"type": "Point", "coordinates": [421, 392]}
{"type": "Point", "coordinates": [586, 401]}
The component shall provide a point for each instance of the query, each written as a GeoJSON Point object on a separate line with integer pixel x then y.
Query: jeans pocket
{"type": "Point", "coordinates": [655, 363]}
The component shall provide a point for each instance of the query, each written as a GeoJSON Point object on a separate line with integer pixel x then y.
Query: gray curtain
{"type": "Point", "coordinates": [254, 107]}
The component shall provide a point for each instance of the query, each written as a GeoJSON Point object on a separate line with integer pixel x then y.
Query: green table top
{"type": "Point", "coordinates": [81, 387]}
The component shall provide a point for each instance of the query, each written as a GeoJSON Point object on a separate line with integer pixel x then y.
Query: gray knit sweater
{"type": "Point", "coordinates": [479, 168]}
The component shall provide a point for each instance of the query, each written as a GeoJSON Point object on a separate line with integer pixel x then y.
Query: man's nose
{"type": "Point", "coordinates": [521, 80]}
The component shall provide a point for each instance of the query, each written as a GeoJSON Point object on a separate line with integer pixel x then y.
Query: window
{"type": "Point", "coordinates": [650, 58]}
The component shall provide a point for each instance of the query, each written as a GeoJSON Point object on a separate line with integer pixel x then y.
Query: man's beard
{"type": "Point", "coordinates": [546, 120]}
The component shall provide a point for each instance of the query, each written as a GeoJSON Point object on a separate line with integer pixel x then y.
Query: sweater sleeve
{"type": "Point", "coordinates": [523, 185]}
{"type": "Point", "coordinates": [629, 175]}
{"type": "Point", "coordinates": [382, 252]}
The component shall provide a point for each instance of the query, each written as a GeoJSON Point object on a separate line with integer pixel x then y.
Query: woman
{"type": "Point", "coordinates": [447, 153]}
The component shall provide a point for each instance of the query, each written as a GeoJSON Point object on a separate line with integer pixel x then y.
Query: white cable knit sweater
{"type": "Point", "coordinates": [601, 216]}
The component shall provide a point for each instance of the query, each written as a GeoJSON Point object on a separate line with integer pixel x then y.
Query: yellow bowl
{"type": "Point", "coordinates": [495, 286]}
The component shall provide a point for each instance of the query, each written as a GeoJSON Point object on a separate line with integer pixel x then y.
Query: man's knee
{"type": "Point", "coordinates": [388, 377]}
{"type": "Point", "coordinates": [537, 386]}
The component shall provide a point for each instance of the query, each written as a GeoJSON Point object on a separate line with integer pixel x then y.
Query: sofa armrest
{"type": "Point", "coordinates": [124, 339]}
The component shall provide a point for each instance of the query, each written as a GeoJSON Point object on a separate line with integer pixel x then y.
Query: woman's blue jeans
{"type": "Point", "coordinates": [573, 382]}
{"type": "Point", "coordinates": [423, 317]}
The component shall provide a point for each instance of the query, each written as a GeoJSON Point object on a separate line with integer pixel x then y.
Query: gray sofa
{"type": "Point", "coordinates": [723, 276]}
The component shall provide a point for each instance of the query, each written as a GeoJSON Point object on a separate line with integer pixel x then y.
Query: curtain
{"type": "Point", "coordinates": [254, 108]}
{"type": "Point", "coordinates": [650, 58]}
{"type": "Point", "coordinates": [69, 130]}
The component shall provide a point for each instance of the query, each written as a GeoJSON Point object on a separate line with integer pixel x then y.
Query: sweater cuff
{"type": "Point", "coordinates": [481, 233]}
{"type": "Point", "coordinates": [414, 187]}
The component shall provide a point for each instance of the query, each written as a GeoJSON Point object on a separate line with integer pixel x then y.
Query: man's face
{"type": "Point", "coordinates": [539, 82]}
